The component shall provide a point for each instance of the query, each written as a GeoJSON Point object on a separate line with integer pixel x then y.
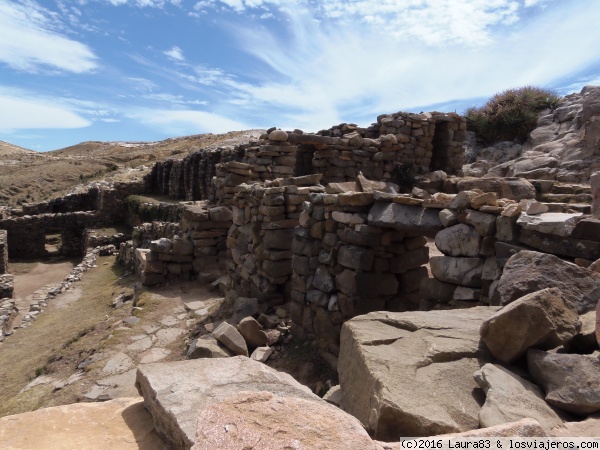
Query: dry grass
{"type": "Point", "coordinates": [52, 174]}
{"type": "Point", "coordinates": [57, 340]}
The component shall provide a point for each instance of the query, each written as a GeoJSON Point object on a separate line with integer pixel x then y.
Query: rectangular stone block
{"type": "Point", "coordinates": [409, 260]}
{"type": "Point", "coordinates": [355, 257]}
{"type": "Point", "coordinates": [404, 217]}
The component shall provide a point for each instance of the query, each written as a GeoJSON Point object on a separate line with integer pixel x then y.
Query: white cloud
{"type": "Point", "coordinates": [28, 113]}
{"type": "Point", "coordinates": [326, 74]}
{"type": "Point", "coordinates": [175, 53]}
{"type": "Point", "coordinates": [29, 40]}
{"type": "Point", "coordinates": [182, 122]}
{"type": "Point", "coordinates": [176, 99]}
{"type": "Point", "coordinates": [145, 3]}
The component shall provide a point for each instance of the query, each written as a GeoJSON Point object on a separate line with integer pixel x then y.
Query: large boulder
{"type": "Point", "coordinates": [456, 270]}
{"type": "Point", "coordinates": [559, 224]}
{"type": "Point", "coordinates": [410, 374]}
{"type": "Point", "coordinates": [231, 338]}
{"type": "Point", "coordinates": [458, 240]}
{"type": "Point", "coordinates": [176, 393]}
{"type": "Point", "coordinates": [571, 382]}
{"type": "Point", "coordinates": [529, 271]}
{"type": "Point", "coordinates": [510, 398]}
{"type": "Point", "coordinates": [542, 319]}
{"type": "Point", "coordinates": [263, 420]}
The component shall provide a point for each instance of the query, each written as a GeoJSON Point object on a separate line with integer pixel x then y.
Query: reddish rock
{"type": "Point", "coordinates": [263, 420]}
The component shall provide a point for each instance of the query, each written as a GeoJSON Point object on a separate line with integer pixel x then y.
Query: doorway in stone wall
{"type": "Point", "coordinates": [53, 242]}
{"type": "Point", "coordinates": [304, 160]}
{"type": "Point", "coordinates": [441, 147]}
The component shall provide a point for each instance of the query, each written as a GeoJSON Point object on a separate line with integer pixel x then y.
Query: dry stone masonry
{"type": "Point", "coordinates": [198, 247]}
{"type": "Point", "coordinates": [418, 142]}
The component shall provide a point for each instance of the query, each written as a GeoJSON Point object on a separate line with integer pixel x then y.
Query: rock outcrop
{"type": "Point", "coordinates": [410, 374]}
{"type": "Point", "coordinates": [120, 424]}
{"type": "Point", "coordinates": [541, 320]}
{"type": "Point", "coordinates": [177, 393]}
{"type": "Point", "coordinates": [564, 146]}
{"type": "Point", "coordinates": [266, 421]}
{"type": "Point", "coordinates": [529, 271]}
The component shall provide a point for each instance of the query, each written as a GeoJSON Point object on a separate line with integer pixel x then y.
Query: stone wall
{"type": "Point", "coordinates": [417, 143]}
{"type": "Point", "coordinates": [6, 286]}
{"type": "Point", "coordinates": [3, 252]}
{"type": "Point", "coordinates": [190, 178]}
{"type": "Point", "coordinates": [343, 266]}
{"type": "Point", "coordinates": [141, 237]}
{"type": "Point", "coordinates": [260, 240]}
{"type": "Point", "coordinates": [27, 234]}
{"type": "Point", "coordinates": [198, 248]}
{"type": "Point", "coordinates": [68, 216]}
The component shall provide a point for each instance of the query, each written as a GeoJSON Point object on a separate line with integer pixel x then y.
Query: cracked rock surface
{"type": "Point", "coordinates": [411, 374]}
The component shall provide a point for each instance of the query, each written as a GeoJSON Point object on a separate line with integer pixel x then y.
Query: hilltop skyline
{"type": "Point", "coordinates": [145, 70]}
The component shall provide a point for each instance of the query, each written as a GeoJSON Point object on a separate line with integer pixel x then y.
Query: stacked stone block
{"type": "Point", "coordinates": [343, 266]}
{"type": "Point", "coordinates": [199, 247]}
{"type": "Point", "coordinates": [274, 157]}
{"type": "Point", "coordinates": [260, 240]}
{"type": "Point", "coordinates": [6, 286]}
{"type": "Point", "coordinates": [190, 178]}
{"type": "Point", "coordinates": [421, 142]}
{"type": "Point", "coordinates": [8, 312]}
{"type": "Point", "coordinates": [3, 252]}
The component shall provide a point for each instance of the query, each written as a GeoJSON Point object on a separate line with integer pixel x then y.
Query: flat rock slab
{"type": "Point", "coordinates": [263, 420]}
{"type": "Point", "coordinates": [121, 424]}
{"type": "Point", "coordinates": [404, 217]}
{"type": "Point", "coordinates": [559, 224]}
{"type": "Point", "coordinates": [510, 398]}
{"type": "Point", "coordinates": [176, 393]}
{"type": "Point", "coordinates": [411, 374]}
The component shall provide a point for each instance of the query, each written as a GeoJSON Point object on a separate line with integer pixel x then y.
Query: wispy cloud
{"type": "Point", "coordinates": [180, 122]}
{"type": "Point", "coordinates": [144, 3]}
{"type": "Point", "coordinates": [27, 113]}
{"type": "Point", "coordinates": [175, 53]}
{"type": "Point", "coordinates": [325, 72]}
{"type": "Point", "coordinates": [29, 41]}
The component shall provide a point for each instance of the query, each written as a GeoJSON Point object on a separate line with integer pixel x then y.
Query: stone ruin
{"type": "Point", "coordinates": [315, 228]}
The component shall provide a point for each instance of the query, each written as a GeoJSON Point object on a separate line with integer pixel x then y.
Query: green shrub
{"type": "Point", "coordinates": [510, 115]}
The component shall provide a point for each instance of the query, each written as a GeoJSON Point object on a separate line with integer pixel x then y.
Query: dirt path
{"type": "Point", "coordinates": [31, 276]}
{"type": "Point", "coordinates": [82, 349]}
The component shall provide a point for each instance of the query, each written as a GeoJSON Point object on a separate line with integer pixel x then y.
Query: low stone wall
{"type": "Point", "coordinates": [6, 286]}
{"type": "Point", "coordinates": [3, 252]}
{"type": "Point", "coordinates": [190, 178]}
{"type": "Point", "coordinates": [139, 210]}
{"type": "Point", "coordinates": [8, 312]}
{"type": "Point", "coordinates": [93, 239]}
{"type": "Point", "coordinates": [260, 240]}
{"type": "Point", "coordinates": [27, 234]}
{"type": "Point", "coordinates": [199, 247]}
{"type": "Point", "coordinates": [141, 237]}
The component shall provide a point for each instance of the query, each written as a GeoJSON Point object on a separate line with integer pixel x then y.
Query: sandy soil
{"type": "Point", "coordinates": [29, 277]}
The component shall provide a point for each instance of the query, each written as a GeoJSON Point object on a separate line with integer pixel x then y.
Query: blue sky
{"type": "Point", "coordinates": [145, 70]}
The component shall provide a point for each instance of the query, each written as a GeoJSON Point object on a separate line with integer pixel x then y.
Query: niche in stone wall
{"type": "Point", "coordinates": [304, 157]}
{"type": "Point", "coordinates": [441, 146]}
{"type": "Point", "coordinates": [53, 242]}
